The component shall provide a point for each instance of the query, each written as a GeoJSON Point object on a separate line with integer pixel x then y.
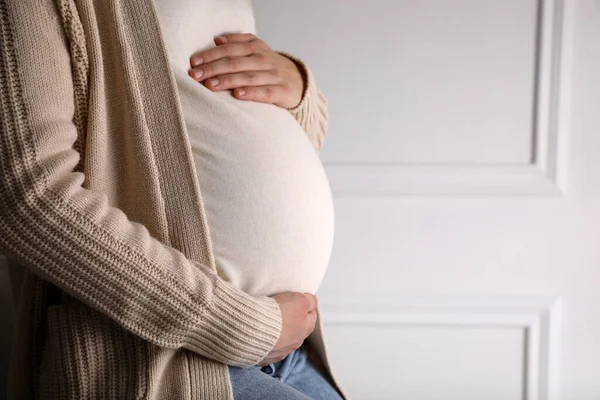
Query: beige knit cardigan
{"type": "Point", "coordinates": [101, 216]}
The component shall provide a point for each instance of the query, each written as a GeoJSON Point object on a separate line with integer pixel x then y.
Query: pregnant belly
{"type": "Point", "coordinates": [267, 199]}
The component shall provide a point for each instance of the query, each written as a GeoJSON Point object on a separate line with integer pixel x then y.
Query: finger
{"type": "Point", "coordinates": [314, 302]}
{"type": "Point", "coordinates": [311, 322]}
{"type": "Point", "coordinates": [281, 355]}
{"type": "Point", "coordinates": [264, 94]}
{"type": "Point", "coordinates": [235, 37]}
{"type": "Point", "coordinates": [212, 54]}
{"type": "Point", "coordinates": [228, 65]}
{"type": "Point", "coordinates": [313, 315]}
{"type": "Point", "coordinates": [272, 358]}
{"type": "Point", "coordinates": [242, 79]}
{"type": "Point", "coordinates": [276, 356]}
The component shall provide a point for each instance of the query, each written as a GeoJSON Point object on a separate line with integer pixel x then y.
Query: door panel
{"type": "Point", "coordinates": [464, 157]}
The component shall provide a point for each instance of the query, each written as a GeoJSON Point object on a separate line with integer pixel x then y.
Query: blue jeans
{"type": "Point", "coordinates": [297, 376]}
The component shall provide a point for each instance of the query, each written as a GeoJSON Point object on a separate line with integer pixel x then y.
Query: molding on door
{"type": "Point", "coordinates": [538, 317]}
{"type": "Point", "coordinates": [545, 175]}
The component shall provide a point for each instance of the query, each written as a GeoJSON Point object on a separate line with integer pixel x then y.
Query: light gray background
{"type": "Point", "coordinates": [463, 268]}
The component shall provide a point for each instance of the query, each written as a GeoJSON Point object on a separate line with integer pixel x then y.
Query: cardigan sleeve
{"type": "Point", "coordinates": [312, 112]}
{"type": "Point", "coordinates": [70, 235]}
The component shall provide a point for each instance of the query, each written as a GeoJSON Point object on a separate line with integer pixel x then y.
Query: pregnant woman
{"type": "Point", "coordinates": [264, 189]}
{"type": "Point", "coordinates": [163, 211]}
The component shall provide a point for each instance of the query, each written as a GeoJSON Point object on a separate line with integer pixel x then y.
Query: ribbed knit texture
{"type": "Point", "coordinates": [311, 112]}
{"type": "Point", "coordinates": [101, 212]}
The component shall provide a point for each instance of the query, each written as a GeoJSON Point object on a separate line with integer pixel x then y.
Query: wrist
{"type": "Point", "coordinates": [304, 76]}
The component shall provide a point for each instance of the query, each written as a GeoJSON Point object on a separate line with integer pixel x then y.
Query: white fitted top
{"type": "Point", "coordinates": [267, 199]}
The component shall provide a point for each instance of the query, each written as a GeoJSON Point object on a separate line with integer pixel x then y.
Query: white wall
{"type": "Point", "coordinates": [466, 177]}
{"type": "Point", "coordinates": [463, 153]}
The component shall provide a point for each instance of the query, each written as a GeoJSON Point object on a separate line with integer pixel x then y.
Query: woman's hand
{"type": "Point", "coordinates": [299, 317]}
{"type": "Point", "coordinates": [247, 65]}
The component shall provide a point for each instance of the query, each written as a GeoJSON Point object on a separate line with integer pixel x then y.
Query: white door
{"type": "Point", "coordinates": [464, 156]}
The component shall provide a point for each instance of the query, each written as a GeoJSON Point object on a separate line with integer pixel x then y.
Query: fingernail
{"type": "Point", "coordinates": [198, 74]}
{"type": "Point", "coordinates": [221, 38]}
{"type": "Point", "coordinates": [214, 82]}
{"type": "Point", "coordinates": [241, 92]}
{"type": "Point", "coordinates": [197, 61]}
